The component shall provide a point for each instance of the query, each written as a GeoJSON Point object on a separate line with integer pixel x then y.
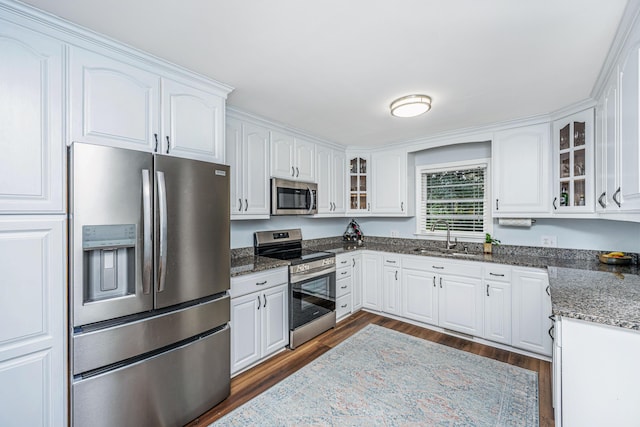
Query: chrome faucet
{"type": "Point", "coordinates": [450, 244]}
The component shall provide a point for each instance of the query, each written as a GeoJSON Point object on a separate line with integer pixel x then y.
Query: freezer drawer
{"type": "Point", "coordinates": [169, 389]}
{"type": "Point", "coordinates": [95, 349]}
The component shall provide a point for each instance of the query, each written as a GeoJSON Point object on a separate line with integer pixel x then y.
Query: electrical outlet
{"type": "Point", "coordinates": [395, 233]}
{"type": "Point", "coordinates": [549, 241]}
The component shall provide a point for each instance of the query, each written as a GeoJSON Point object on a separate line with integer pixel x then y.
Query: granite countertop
{"type": "Point", "coordinates": [581, 287]}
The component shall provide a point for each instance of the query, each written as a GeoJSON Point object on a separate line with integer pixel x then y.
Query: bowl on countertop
{"type": "Point", "coordinates": [621, 260]}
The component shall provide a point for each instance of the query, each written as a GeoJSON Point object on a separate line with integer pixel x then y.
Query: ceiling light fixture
{"type": "Point", "coordinates": [410, 106]}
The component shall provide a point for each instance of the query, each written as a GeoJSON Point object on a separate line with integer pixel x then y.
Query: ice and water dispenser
{"type": "Point", "coordinates": [109, 261]}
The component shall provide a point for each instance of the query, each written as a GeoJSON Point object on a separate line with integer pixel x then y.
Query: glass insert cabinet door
{"type": "Point", "coordinates": [574, 174]}
{"type": "Point", "coordinates": [358, 184]}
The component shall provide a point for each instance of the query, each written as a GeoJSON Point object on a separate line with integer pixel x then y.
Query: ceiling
{"type": "Point", "coordinates": [332, 67]}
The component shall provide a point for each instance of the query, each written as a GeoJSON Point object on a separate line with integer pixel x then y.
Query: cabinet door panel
{"type": "Point", "coordinates": [531, 311]}
{"type": "Point", "coordinates": [521, 170]}
{"type": "Point", "coordinates": [389, 183]}
{"type": "Point", "coordinates": [371, 282]}
{"type": "Point", "coordinates": [233, 138]}
{"type": "Point", "coordinates": [305, 160]}
{"type": "Point", "coordinates": [192, 119]}
{"type": "Point", "coordinates": [497, 323]}
{"type": "Point", "coordinates": [245, 331]}
{"type": "Point", "coordinates": [391, 286]}
{"type": "Point", "coordinates": [256, 170]}
{"type": "Point", "coordinates": [275, 324]}
{"type": "Point", "coordinates": [356, 276]}
{"type": "Point", "coordinates": [420, 296]}
{"type": "Point", "coordinates": [339, 182]}
{"type": "Point", "coordinates": [629, 195]}
{"type": "Point", "coordinates": [113, 103]}
{"type": "Point", "coordinates": [282, 156]}
{"type": "Point", "coordinates": [325, 180]}
{"type": "Point", "coordinates": [31, 107]}
{"type": "Point", "coordinates": [461, 305]}
{"type": "Point", "coordinates": [33, 370]}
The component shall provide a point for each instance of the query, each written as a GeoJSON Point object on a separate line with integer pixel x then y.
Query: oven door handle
{"type": "Point", "coordinates": [302, 276]}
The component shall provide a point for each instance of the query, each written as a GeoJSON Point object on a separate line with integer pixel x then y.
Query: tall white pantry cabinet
{"type": "Point", "coordinates": [32, 228]}
{"type": "Point", "coordinates": [58, 84]}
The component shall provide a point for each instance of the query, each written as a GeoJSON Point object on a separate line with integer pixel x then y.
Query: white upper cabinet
{"type": "Point", "coordinates": [391, 195]}
{"type": "Point", "coordinates": [521, 171]}
{"type": "Point", "coordinates": [573, 165]}
{"type": "Point", "coordinates": [292, 158]}
{"type": "Point", "coordinates": [248, 155]}
{"type": "Point", "coordinates": [358, 180]}
{"type": "Point", "coordinates": [627, 195]}
{"type": "Point", "coordinates": [331, 173]}
{"type": "Point", "coordinates": [193, 122]}
{"type": "Point", "coordinates": [32, 110]}
{"type": "Point", "coordinates": [113, 103]}
{"type": "Point", "coordinates": [118, 102]}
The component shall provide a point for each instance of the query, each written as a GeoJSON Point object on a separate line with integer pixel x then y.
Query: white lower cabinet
{"type": "Point", "coordinates": [371, 281]}
{"type": "Point", "coordinates": [599, 375]}
{"type": "Point", "coordinates": [531, 305]}
{"type": "Point", "coordinates": [356, 281]}
{"type": "Point", "coordinates": [497, 303]}
{"type": "Point", "coordinates": [419, 296]}
{"type": "Point", "coordinates": [460, 304]}
{"type": "Point", "coordinates": [33, 343]}
{"type": "Point", "coordinates": [344, 285]}
{"type": "Point", "coordinates": [391, 289]}
{"type": "Point", "coordinates": [259, 319]}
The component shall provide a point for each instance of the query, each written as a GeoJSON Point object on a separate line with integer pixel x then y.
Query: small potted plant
{"type": "Point", "coordinates": [489, 242]}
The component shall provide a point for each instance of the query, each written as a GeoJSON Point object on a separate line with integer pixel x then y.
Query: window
{"type": "Point", "coordinates": [456, 193]}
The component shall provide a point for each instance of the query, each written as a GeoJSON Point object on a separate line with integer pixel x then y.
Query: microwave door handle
{"type": "Point", "coordinates": [162, 211]}
{"type": "Point", "coordinates": [312, 199]}
{"type": "Point", "coordinates": [147, 243]}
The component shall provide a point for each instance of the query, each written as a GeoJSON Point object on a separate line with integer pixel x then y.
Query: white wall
{"type": "Point", "coordinates": [312, 228]}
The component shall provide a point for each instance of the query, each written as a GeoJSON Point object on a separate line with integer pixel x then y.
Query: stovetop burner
{"type": "Point", "coordinates": [286, 245]}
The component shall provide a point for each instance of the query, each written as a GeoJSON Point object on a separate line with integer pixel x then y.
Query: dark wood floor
{"type": "Point", "coordinates": [258, 379]}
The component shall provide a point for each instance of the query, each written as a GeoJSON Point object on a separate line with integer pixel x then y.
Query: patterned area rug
{"type": "Point", "coordinates": [381, 377]}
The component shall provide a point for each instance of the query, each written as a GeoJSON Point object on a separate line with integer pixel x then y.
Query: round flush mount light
{"type": "Point", "coordinates": [410, 106]}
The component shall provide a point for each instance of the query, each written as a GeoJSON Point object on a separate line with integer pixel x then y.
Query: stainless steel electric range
{"type": "Point", "coordinates": [312, 282]}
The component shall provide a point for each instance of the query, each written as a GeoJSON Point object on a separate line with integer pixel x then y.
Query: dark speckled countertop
{"type": "Point", "coordinates": [581, 287]}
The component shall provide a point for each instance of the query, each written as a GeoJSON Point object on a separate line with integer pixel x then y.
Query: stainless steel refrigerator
{"type": "Point", "coordinates": [149, 278]}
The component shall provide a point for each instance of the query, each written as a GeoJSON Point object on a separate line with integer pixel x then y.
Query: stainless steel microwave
{"type": "Point", "coordinates": [293, 198]}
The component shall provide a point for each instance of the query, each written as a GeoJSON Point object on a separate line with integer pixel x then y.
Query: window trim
{"type": "Point", "coordinates": [439, 167]}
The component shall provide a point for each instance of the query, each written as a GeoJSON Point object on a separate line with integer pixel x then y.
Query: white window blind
{"type": "Point", "coordinates": [457, 194]}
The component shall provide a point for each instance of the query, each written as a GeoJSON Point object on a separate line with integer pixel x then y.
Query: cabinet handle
{"type": "Point", "coordinates": [600, 200]}
{"type": "Point", "coordinates": [155, 150]}
{"type": "Point", "coordinates": [293, 171]}
{"type": "Point", "coordinates": [368, 206]}
{"type": "Point", "coordinates": [261, 283]}
{"type": "Point", "coordinates": [437, 267]}
{"type": "Point", "coordinates": [168, 144]}
{"type": "Point", "coordinates": [240, 208]}
{"type": "Point", "coordinates": [434, 281]}
{"type": "Point", "coordinates": [354, 262]}
{"type": "Point", "coordinates": [259, 302]}
{"type": "Point", "coordinates": [334, 206]}
{"type": "Point", "coordinates": [547, 290]}
{"type": "Point", "coordinates": [344, 272]}
{"type": "Point", "coordinates": [344, 261]}
{"type": "Point", "coordinates": [246, 204]}
{"type": "Point", "coordinates": [344, 287]}
{"type": "Point", "coordinates": [396, 274]}
{"type": "Point", "coordinates": [496, 204]}
{"type": "Point", "coordinates": [390, 261]}
{"type": "Point", "coordinates": [265, 301]}
{"type": "Point", "coordinates": [496, 274]}
{"type": "Point", "coordinates": [297, 172]}
{"type": "Point", "coordinates": [402, 206]}
{"type": "Point", "coordinates": [440, 282]}
{"type": "Point", "coordinates": [614, 197]}
{"type": "Point", "coordinates": [550, 332]}
{"type": "Point", "coordinates": [343, 306]}
{"type": "Point", "coordinates": [487, 290]}
{"type": "Point", "coordinates": [554, 203]}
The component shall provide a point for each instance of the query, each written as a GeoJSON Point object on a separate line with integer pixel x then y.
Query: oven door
{"type": "Point", "coordinates": [293, 198]}
{"type": "Point", "coordinates": [311, 298]}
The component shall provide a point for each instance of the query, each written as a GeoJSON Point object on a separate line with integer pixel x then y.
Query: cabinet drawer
{"type": "Point", "coordinates": [246, 284]}
{"type": "Point", "coordinates": [343, 273]}
{"type": "Point", "coordinates": [467, 269]}
{"type": "Point", "coordinates": [343, 261]}
{"type": "Point", "coordinates": [391, 260]}
{"type": "Point", "coordinates": [343, 306]}
{"type": "Point", "coordinates": [497, 272]}
{"type": "Point", "coordinates": [343, 286]}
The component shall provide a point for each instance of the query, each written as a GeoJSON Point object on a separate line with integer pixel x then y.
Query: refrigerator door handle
{"type": "Point", "coordinates": [147, 243]}
{"type": "Point", "coordinates": [162, 211]}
